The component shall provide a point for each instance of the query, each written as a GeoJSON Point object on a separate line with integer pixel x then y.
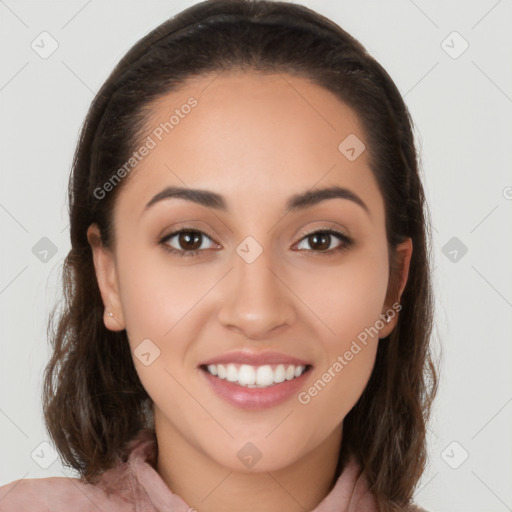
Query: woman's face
{"type": "Point", "coordinates": [256, 347]}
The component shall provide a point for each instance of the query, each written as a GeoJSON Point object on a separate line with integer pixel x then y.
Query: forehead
{"type": "Point", "coordinates": [253, 136]}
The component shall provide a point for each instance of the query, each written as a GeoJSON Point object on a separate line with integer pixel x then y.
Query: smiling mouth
{"type": "Point", "coordinates": [262, 376]}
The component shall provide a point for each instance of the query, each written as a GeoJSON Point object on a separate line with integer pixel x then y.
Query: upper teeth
{"type": "Point", "coordinates": [255, 376]}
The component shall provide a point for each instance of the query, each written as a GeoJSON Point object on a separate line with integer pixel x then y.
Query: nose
{"type": "Point", "coordinates": [256, 300]}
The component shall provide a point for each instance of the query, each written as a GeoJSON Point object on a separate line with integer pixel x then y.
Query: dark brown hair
{"type": "Point", "coordinates": [94, 402]}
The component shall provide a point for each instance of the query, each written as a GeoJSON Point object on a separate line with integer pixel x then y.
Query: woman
{"type": "Point", "coordinates": [248, 293]}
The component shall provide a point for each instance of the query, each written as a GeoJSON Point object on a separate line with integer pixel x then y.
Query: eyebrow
{"type": "Point", "coordinates": [294, 203]}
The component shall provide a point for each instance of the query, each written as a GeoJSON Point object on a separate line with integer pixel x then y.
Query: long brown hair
{"type": "Point", "coordinates": [93, 400]}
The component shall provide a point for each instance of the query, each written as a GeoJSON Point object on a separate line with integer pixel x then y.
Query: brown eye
{"type": "Point", "coordinates": [319, 240]}
{"type": "Point", "coordinates": [189, 240]}
{"type": "Point", "coordinates": [186, 242]}
{"type": "Point", "coordinates": [322, 242]}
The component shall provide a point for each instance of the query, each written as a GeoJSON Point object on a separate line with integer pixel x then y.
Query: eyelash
{"type": "Point", "coordinates": [347, 242]}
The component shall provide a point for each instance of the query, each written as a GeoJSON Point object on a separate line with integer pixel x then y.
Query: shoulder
{"type": "Point", "coordinates": [57, 494]}
{"type": "Point", "coordinates": [118, 488]}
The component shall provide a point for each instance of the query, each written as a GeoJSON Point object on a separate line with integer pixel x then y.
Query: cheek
{"type": "Point", "coordinates": [349, 297]}
{"type": "Point", "coordinates": [161, 304]}
{"type": "Point", "coordinates": [349, 302]}
{"type": "Point", "coordinates": [336, 388]}
{"type": "Point", "coordinates": [164, 310]}
{"type": "Point", "coordinates": [158, 295]}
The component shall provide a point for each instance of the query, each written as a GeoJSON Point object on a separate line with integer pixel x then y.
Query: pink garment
{"type": "Point", "coordinates": [136, 486]}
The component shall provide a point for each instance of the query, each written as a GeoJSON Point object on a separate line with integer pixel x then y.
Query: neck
{"type": "Point", "coordinates": [207, 486]}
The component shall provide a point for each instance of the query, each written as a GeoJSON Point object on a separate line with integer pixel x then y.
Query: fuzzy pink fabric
{"type": "Point", "coordinates": [136, 486]}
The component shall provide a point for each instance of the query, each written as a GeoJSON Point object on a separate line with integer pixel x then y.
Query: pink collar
{"type": "Point", "coordinates": [141, 480]}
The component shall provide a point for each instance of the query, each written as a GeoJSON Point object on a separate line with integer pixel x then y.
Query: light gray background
{"type": "Point", "coordinates": [462, 110]}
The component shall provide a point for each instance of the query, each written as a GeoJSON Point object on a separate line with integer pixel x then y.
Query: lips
{"type": "Point", "coordinates": [255, 381]}
{"type": "Point", "coordinates": [255, 359]}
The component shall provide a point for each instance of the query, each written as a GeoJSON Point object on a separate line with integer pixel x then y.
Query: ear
{"type": "Point", "coordinates": [106, 274]}
{"type": "Point", "coordinates": [397, 286]}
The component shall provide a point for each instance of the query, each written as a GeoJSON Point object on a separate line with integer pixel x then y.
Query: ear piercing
{"type": "Point", "coordinates": [109, 313]}
{"type": "Point", "coordinates": [387, 317]}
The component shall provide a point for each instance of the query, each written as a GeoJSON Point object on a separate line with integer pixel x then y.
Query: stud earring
{"type": "Point", "coordinates": [109, 313]}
